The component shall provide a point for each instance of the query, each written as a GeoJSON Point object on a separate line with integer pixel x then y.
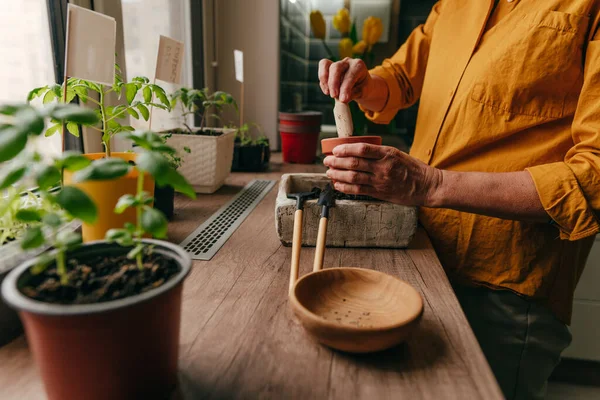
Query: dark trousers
{"type": "Point", "coordinates": [521, 340]}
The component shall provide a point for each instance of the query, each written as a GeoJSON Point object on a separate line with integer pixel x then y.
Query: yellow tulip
{"type": "Point", "coordinates": [341, 21]}
{"type": "Point", "coordinates": [317, 24]}
{"type": "Point", "coordinates": [372, 30]}
{"type": "Point", "coordinates": [360, 47]}
{"type": "Point", "coordinates": [345, 47]}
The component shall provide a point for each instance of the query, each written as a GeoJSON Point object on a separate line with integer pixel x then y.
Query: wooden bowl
{"type": "Point", "coordinates": [356, 310]}
{"type": "Point", "coordinates": [327, 145]}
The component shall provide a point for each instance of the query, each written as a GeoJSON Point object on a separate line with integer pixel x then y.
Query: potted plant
{"type": "Point", "coordinates": [211, 148]}
{"type": "Point", "coordinates": [16, 198]}
{"type": "Point", "coordinates": [102, 319]}
{"type": "Point", "coordinates": [164, 195]}
{"type": "Point", "coordinates": [107, 191]}
{"type": "Point", "coordinates": [249, 154]}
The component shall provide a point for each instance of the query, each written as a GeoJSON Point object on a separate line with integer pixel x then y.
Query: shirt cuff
{"type": "Point", "coordinates": [392, 105]}
{"type": "Point", "coordinates": [564, 200]}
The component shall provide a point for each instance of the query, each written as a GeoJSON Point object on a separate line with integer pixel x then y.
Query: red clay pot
{"type": "Point", "coordinates": [122, 349]}
{"type": "Point", "coordinates": [327, 145]}
{"type": "Point", "coordinates": [299, 136]}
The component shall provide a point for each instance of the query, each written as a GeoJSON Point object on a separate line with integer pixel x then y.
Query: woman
{"type": "Point", "coordinates": [505, 164]}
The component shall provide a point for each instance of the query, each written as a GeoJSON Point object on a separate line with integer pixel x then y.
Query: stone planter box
{"type": "Point", "coordinates": [352, 223]}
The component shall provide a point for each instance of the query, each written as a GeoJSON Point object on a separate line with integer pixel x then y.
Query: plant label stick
{"type": "Point", "coordinates": [238, 57]}
{"type": "Point", "coordinates": [168, 63]}
{"type": "Point", "coordinates": [90, 48]}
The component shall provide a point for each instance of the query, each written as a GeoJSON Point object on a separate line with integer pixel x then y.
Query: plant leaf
{"type": "Point", "coordinates": [72, 161]}
{"type": "Point", "coordinates": [144, 111]}
{"type": "Point", "coordinates": [147, 92]}
{"type": "Point", "coordinates": [52, 219]}
{"type": "Point", "coordinates": [53, 129]}
{"type": "Point", "coordinates": [177, 182]}
{"type": "Point", "coordinates": [28, 215]}
{"type": "Point", "coordinates": [11, 175]}
{"type": "Point", "coordinates": [48, 97]}
{"type": "Point", "coordinates": [154, 163]}
{"type": "Point", "coordinates": [29, 121]}
{"type": "Point", "coordinates": [133, 113]}
{"type": "Point", "coordinates": [103, 169]}
{"type": "Point", "coordinates": [68, 239]}
{"type": "Point", "coordinates": [32, 238]}
{"type": "Point", "coordinates": [47, 176]}
{"type": "Point", "coordinates": [77, 203]}
{"type": "Point", "coordinates": [161, 95]}
{"type": "Point", "coordinates": [154, 222]}
{"type": "Point", "coordinates": [36, 92]}
{"type": "Point", "coordinates": [73, 128]}
{"type": "Point", "coordinates": [12, 142]}
{"type": "Point", "coordinates": [125, 202]}
{"type": "Point", "coordinates": [121, 236]}
{"type": "Point", "coordinates": [74, 113]}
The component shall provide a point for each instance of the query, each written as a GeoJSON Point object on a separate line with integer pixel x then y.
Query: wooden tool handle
{"type": "Point", "coordinates": [320, 250]}
{"type": "Point", "coordinates": [296, 246]}
{"type": "Point", "coordinates": [343, 119]}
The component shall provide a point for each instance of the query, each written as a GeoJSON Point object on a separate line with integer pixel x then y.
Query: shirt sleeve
{"type": "Point", "coordinates": [404, 72]}
{"type": "Point", "coordinates": [570, 190]}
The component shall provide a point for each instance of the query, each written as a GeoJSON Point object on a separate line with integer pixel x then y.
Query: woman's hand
{"type": "Point", "coordinates": [383, 172]}
{"type": "Point", "coordinates": [349, 80]}
{"type": "Point", "coordinates": [344, 80]}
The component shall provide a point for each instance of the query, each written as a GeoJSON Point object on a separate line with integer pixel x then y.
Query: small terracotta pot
{"type": "Point", "coordinates": [122, 349]}
{"type": "Point", "coordinates": [327, 145]}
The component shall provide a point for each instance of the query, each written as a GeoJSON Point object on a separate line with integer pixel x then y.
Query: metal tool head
{"type": "Point", "coordinates": [327, 197]}
{"type": "Point", "coordinates": [303, 196]}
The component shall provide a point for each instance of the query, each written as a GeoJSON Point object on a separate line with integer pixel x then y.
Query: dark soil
{"type": "Point", "coordinates": [198, 132]}
{"type": "Point", "coordinates": [100, 279]}
{"type": "Point", "coordinates": [358, 197]}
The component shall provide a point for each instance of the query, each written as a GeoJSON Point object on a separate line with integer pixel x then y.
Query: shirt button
{"type": "Point", "coordinates": [509, 1]}
{"type": "Point", "coordinates": [429, 152]}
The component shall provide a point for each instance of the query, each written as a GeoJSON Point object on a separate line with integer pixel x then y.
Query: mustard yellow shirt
{"type": "Point", "coordinates": [509, 88]}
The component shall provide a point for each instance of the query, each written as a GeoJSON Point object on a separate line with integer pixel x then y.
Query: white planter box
{"type": "Point", "coordinates": [209, 162]}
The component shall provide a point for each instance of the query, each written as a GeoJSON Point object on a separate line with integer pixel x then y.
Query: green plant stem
{"type": "Point", "coordinates": [327, 49]}
{"type": "Point", "coordinates": [138, 211]}
{"type": "Point", "coordinates": [61, 266]}
{"type": "Point", "coordinates": [104, 123]}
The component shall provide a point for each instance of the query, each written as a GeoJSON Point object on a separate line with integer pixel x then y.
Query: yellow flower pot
{"type": "Point", "coordinates": [106, 194]}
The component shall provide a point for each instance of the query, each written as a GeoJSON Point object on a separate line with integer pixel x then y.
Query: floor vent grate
{"type": "Point", "coordinates": [207, 239]}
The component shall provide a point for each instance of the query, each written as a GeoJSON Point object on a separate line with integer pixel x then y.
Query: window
{"type": "Point", "coordinates": [27, 58]}
{"type": "Point", "coordinates": [143, 22]}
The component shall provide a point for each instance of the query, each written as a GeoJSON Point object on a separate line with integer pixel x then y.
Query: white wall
{"type": "Point", "coordinates": [253, 27]}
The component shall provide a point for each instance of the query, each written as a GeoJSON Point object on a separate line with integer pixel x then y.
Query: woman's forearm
{"type": "Point", "coordinates": [510, 195]}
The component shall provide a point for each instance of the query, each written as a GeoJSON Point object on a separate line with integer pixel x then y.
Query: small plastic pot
{"type": "Point", "coordinates": [327, 145]}
{"type": "Point", "coordinates": [118, 350]}
{"type": "Point", "coordinates": [164, 200]}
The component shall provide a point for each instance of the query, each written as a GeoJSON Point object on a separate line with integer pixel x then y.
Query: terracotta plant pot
{"type": "Point", "coordinates": [121, 349]}
{"type": "Point", "coordinates": [327, 145]}
{"type": "Point", "coordinates": [106, 194]}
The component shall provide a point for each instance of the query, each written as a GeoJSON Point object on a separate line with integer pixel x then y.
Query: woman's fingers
{"type": "Point", "coordinates": [352, 177]}
{"type": "Point", "coordinates": [361, 150]}
{"type": "Point", "coordinates": [337, 71]}
{"type": "Point", "coordinates": [349, 163]}
{"type": "Point", "coordinates": [324, 65]}
{"type": "Point", "coordinates": [354, 77]}
{"type": "Point", "coordinates": [349, 188]}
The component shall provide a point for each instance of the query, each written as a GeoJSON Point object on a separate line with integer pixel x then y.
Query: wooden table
{"type": "Point", "coordinates": [239, 338]}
